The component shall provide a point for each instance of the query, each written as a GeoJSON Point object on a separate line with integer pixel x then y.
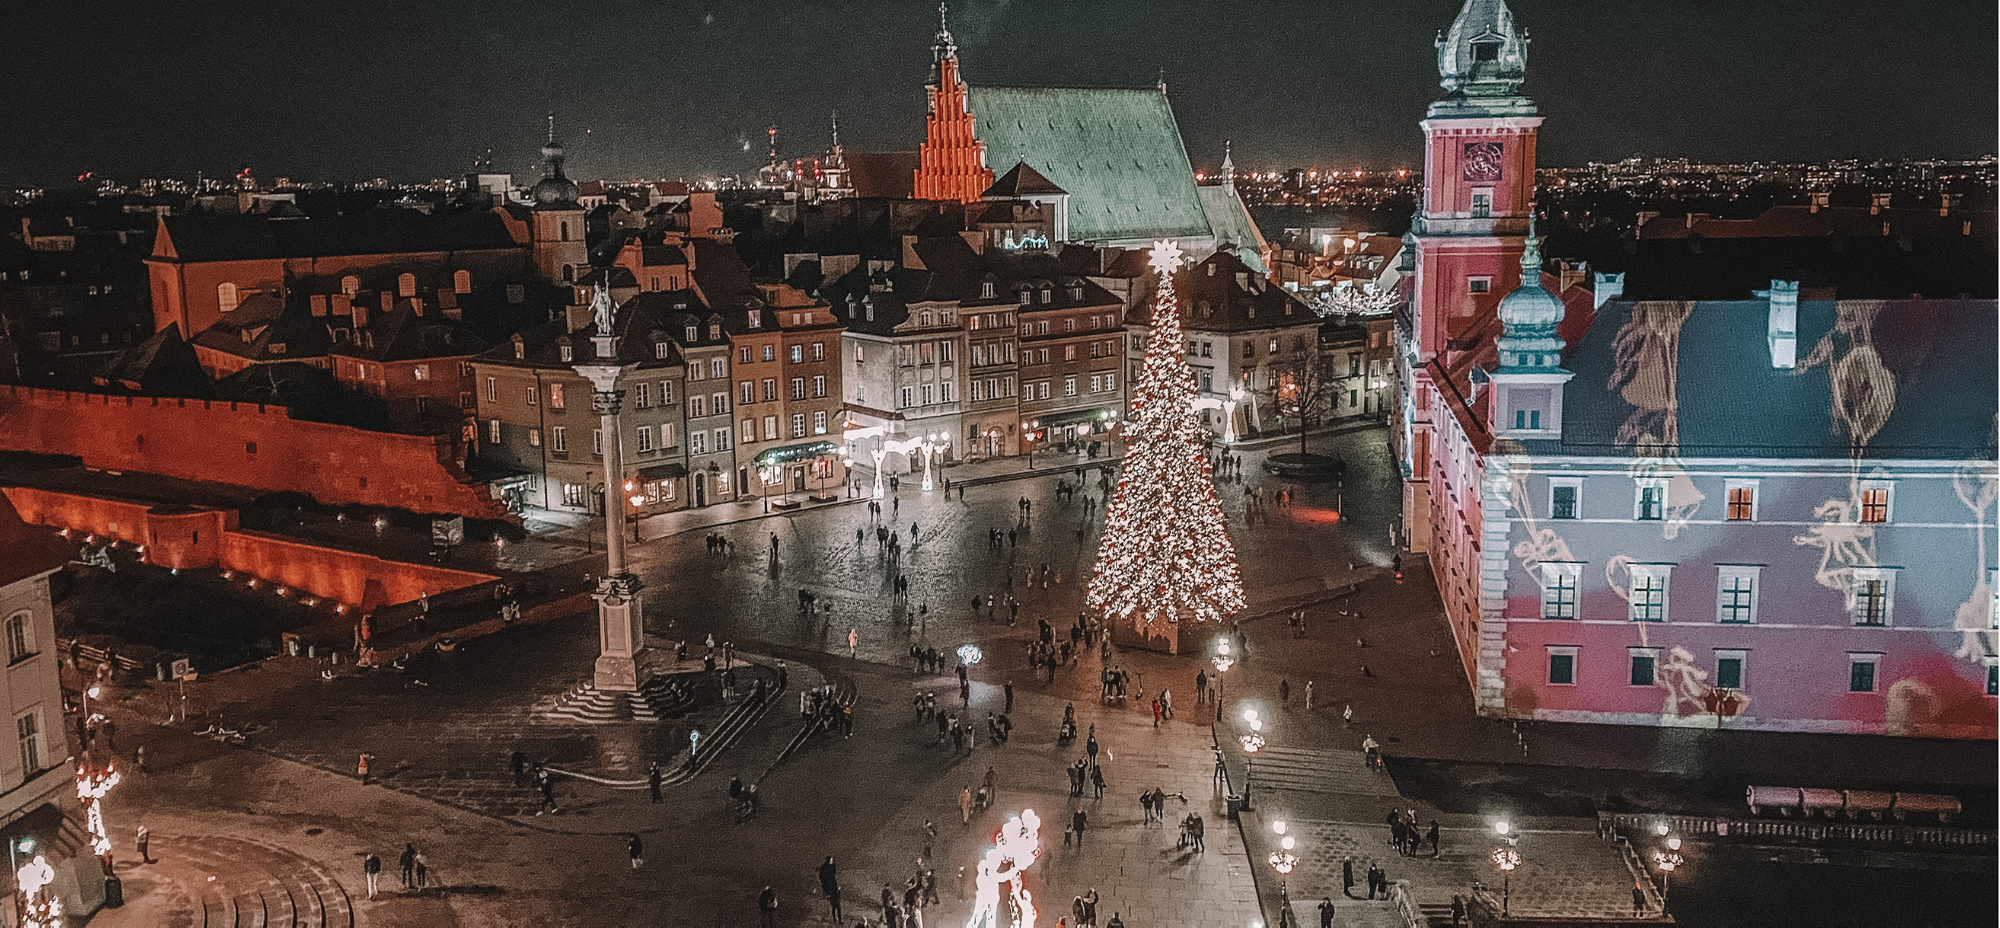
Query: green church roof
{"type": "Point", "coordinates": [1232, 224]}
{"type": "Point", "coordinates": [1117, 152]}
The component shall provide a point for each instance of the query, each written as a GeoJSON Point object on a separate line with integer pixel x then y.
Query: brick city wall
{"type": "Point", "coordinates": [187, 538]}
{"type": "Point", "coordinates": [245, 444]}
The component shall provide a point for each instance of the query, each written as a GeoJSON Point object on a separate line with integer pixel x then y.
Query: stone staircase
{"type": "Point", "coordinates": [214, 882]}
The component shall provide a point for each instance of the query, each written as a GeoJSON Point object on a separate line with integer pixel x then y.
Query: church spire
{"type": "Point", "coordinates": [1483, 54]}
{"type": "Point", "coordinates": [1228, 168]}
{"type": "Point", "coordinates": [945, 47]}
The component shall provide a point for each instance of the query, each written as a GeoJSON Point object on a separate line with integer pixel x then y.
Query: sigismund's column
{"type": "Point", "coordinates": [621, 628]}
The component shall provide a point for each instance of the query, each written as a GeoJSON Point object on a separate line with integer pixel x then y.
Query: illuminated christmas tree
{"type": "Point", "coordinates": [1165, 559]}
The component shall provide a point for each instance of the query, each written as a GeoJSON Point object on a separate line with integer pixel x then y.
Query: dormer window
{"type": "Point", "coordinates": [693, 332]}
{"type": "Point", "coordinates": [987, 290]}
{"type": "Point", "coordinates": [1076, 292]}
{"type": "Point", "coordinates": [568, 353]}
{"type": "Point", "coordinates": [714, 331]}
{"type": "Point", "coordinates": [520, 350]}
{"type": "Point", "coordinates": [660, 350]}
{"type": "Point", "coordinates": [1047, 294]}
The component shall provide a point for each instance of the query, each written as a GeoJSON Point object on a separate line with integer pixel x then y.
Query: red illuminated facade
{"type": "Point", "coordinates": [952, 161]}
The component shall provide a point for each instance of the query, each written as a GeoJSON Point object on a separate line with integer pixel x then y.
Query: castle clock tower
{"type": "Point", "coordinates": [1471, 225]}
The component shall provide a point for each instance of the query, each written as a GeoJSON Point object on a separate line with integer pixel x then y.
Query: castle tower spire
{"type": "Point", "coordinates": [1483, 54]}
{"type": "Point", "coordinates": [1529, 316]}
{"type": "Point", "coordinates": [1228, 168]}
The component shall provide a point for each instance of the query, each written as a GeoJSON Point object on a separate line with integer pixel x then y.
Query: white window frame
{"type": "Point", "coordinates": [1861, 507]}
{"type": "Point", "coordinates": [666, 435]}
{"type": "Point", "coordinates": [748, 433]}
{"type": "Point", "coordinates": [1639, 487]}
{"type": "Point", "coordinates": [642, 395]}
{"type": "Point", "coordinates": [1872, 658]}
{"type": "Point", "coordinates": [1756, 497]}
{"type": "Point", "coordinates": [1632, 658]}
{"type": "Point", "coordinates": [1549, 670]}
{"type": "Point", "coordinates": [32, 741]}
{"type": "Point", "coordinates": [20, 636]}
{"type": "Point", "coordinates": [697, 442]}
{"type": "Point", "coordinates": [770, 428]}
{"type": "Point", "coordinates": [722, 439]}
{"type": "Point", "coordinates": [1555, 607]}
{"type": "Point", "coordinates": [819, 422]}
{"type": "Point", "coordinates": [1638, 607]}
{"type": "Point", "coordinates": [1862, 576]}
{"type": "Point", "coordinates": [1725, 574]}
{"type": "Point", "coordinates": [798, 425]}
{"type": "Point", "coordinates": [1742, 659]}
{"type": "Point", "coordinates": [559, 439]}
{"type": "Point", "coordinates": [493, 389]}
{"type": "Point", "coordinates": [1574, 483]}
{"type": "Point", "coordinates": [645, 439]}
{"type": "Point", "coordinates": [492, 431]}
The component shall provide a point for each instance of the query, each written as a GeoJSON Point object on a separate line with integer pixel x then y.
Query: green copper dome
{"type": "Point", "coordinates": [1530, 315]}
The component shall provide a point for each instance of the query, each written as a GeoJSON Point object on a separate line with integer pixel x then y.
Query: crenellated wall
{"type": "Point", "coordinates": [188, 537]}
{"type": "Point", "coordinates": [245, 444]}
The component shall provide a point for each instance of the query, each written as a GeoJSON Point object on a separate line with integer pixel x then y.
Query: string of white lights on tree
{"type": "Point", "coordinates": [1165, 559]}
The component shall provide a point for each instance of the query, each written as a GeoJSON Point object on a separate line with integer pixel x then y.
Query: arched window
{"type": "Point", "coordinates": [406, 285]}
{"type": "Point", "coordinates": [565, 232]}
{"type": "Point", "coordinates": [225, 295]}
{"type": "Point", "coordinates": [20, 640]}
{"type": "Point", "coordinates": [461, 281]}
{"type": "Point", "coordinates": [350, 285]}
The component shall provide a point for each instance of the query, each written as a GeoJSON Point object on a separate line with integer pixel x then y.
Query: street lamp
{"type": "Point", "coordinates": [1223, 661]}
{"type": "Point", "coordinates": [1669, 860]}
{"type": "Point", "coordinates": [930, 444]}
{"type": "Point", "coordinates": [1506, 859]}
{"type": "Point", "coordinates": [1283, 861]}
{"type": "Point", "coordinates": [1028, 434]}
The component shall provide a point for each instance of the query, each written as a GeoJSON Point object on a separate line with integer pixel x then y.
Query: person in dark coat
{"type": "Point", "coordinates": [829, 883]}
{"type": "Point", "coordinates": [767, 901]}
{"type": "Point", "coordinates": [1347, 877]}
{"type": "Point", "coordinates": [1077, 822]}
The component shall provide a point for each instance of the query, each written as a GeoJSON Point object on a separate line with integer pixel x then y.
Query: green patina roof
{"type": "Point", "coordinates": [1232, 224]}
{"type": "Point", "coordinates": [1117, 152]}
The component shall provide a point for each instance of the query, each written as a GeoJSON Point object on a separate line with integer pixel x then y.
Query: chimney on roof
{"type": "Point", "coordinates": [1877, 203]}
{"type": "Point", "coordinates": [1782, 325]}
{"type": "Point", "coordinates": [1817, 201]}
{"type": "Point", "coordinates": [1570, 273]}
{"type": "Point", "coordinates": [1605, 287]}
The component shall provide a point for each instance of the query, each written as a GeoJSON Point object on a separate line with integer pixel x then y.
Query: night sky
{"type": "Point", "coordinates": [412, 90]}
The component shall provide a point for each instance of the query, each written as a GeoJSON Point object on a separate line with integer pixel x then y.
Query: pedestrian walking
{"type": "Point", "coordinates": [829, 883]}
{"type": "Point", "coordinates": [423, 871]}
{"type": "Point", "coordinates": [1097, 781]}
{"type": "Point", "coordinates": [1457, 910]}
{"type": "Point", "coordinates": [1326, 913]}
{"type": "Point", "coordinates": [1638, 900]}
{"type": "Point", "coordinates": [1077, 821]}
{"type": "Point", "coordinates": [1167, 702]}
{"type": "Point", "coordinates": [655, 778]}
{"type": "Point", "coordinates": [139, 759]}
{"type": "Point", "coordinates": [636, 848]}
{"type": "Point", "coordinates": [1347, 716]}
{"type": "Point", "coordinates": [853, 641]}
{"type": "Point", "coordinates": [1433, 835]}
{"type": "Point", "coordinates": [144, 837]}
{"type": "Point", "coordinates": [371, 865]}
{"type": "Point", "coordinates": [965, 805]}
{"type": "Point", "coordinates": [409, 862]}
{"type": "Point", "coordinates": [1010, 697]}
{"type": "Point", "coordinates": [767, 901]}
{"type": "Point", "coordinates": [1374, 875]}
{"type": "Point", "coordinates": [1347, 877]}
{"type": "Point", "coordinates": [1309, 695]}
{"type": "Point", "coordinates": [1156, 712]}
{"type": "Point", "coordinates": [1285, 692]}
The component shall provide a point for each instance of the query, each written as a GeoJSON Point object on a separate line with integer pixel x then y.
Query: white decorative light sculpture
{"type": "Point", "coordinates": [1016, 847]}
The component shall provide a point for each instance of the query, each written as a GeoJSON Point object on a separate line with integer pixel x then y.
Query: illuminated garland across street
{"type": "Point", "coordinates": [1166, 558]}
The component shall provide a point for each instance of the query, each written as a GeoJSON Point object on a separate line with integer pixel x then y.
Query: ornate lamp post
{"type": "Point", "coordinates": [91, 786]}
{"type": "Point", "coordinates": [1223, 661]}
{"type": "Point", "coordinates": [1283, 860]}
{"type": "Point", "coordinates": [1506, 859]}
{"type": "Point", "coordinates": [931, 445]}
{"type": "Point", "coordinates": [621, 625]}
{"type": "Point", "coordinates": [1669, 860]}
{"type": "Point", "coordinates": [1028, 435]}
